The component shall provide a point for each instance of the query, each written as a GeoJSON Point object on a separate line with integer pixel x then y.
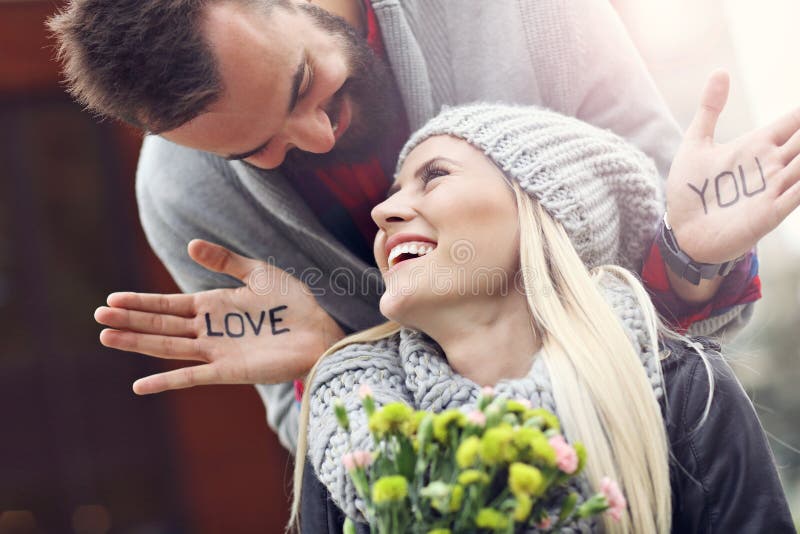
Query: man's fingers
{"type": "Point", "coordinates": [790, 148]}
{"type": "Point", "coordinates": [219, 259]}
{"type": "Point", "coordinates": [177, 304]}
{"type": "Point", "coordinates": [789, 176]}
{"type": "Point", "coordinates": [785, 127]}
{"type": "Point", "coordinates": [146, 323]}
{"type": "Point", "coordinates": [170, 348]}
{"type": "Point", "coordinates": [186, 377]}
{"type": "Point", "coordinates": [788, 201]}
{"type": "Point", "coordinates": [712, 102]}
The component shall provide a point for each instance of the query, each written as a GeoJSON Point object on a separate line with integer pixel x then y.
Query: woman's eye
{"type": "Point", "coordinates": [433, 171]}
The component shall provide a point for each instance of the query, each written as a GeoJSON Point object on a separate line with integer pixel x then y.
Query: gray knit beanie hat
{"type": "Point", "coordinates": [603, 190]}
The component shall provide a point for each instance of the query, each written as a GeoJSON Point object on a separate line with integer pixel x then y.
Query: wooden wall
{"type": "Point", "coordinates": [79, 452]}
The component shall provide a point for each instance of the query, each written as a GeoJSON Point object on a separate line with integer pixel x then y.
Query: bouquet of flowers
{"type": "Point", "coordinates": [504, 467]}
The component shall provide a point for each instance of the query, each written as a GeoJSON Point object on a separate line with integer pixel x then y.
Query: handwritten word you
{"type": "Point", "coordinates": [234, 325]}
{"type": "Point", "coordinates": [729, 177]}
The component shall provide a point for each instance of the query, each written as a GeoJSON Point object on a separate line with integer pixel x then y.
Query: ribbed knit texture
{"type": "Point", "coordinates": [603, 190]}
{"type": "Point", "coordinates": [410, 367]}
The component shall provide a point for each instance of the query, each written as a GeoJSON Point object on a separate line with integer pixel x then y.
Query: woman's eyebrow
{"type": "Point", "coordinates": [418, 173]}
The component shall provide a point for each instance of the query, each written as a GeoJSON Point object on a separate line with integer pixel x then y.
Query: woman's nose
{"type": "Point", "coordinates": [394, 209]}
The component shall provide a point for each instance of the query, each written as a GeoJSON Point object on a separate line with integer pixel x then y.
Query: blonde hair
{"type": "Point", "coordinates": [586, 350]}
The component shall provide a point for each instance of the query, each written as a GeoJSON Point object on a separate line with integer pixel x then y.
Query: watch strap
{"type": "Point", "coordinates": [682, 264]}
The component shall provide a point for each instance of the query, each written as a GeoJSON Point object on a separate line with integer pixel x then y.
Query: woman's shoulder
{"type": "Point", "coordinates": [694, 372]}
{"type": "Point", "coordinates": [723, 475]}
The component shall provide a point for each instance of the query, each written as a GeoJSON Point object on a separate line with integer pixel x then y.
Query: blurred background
{"type": "Point", "coordinates": [79, 452]}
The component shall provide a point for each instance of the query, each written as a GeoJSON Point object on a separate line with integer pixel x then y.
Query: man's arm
{"type": "Point", "coordinates": [721, 199]}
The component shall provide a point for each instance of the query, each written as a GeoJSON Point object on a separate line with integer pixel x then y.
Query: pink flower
{"type": "Point", "coordinates": [355, 459]}
{"type": "Point", "coordinates": [616, 500]}
{"type": "Point", "coordinates": [476, 417]}
{"type": "Point", "coordinates": [487, 391]}
{"type": "Point", "coordinates": [364, 391]}
{"type": "Point", "coordinates": [566, 457]}
{"type": "Point", "coordinates": [362, 458]}
{"type": "Point", "coordinates": [348, 461]}
{"type": "Point", "coordinates": [545, 523]}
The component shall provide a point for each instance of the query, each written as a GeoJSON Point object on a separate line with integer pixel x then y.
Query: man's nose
{"type": "Point", "coordinates": [311, 131]}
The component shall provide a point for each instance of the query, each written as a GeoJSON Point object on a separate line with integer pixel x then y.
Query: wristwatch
{"type": "Point", "coordinates": [682, 264]}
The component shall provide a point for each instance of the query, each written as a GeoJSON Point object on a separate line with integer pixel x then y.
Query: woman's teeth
{"type": "Point", "coordinates": [409, 248]}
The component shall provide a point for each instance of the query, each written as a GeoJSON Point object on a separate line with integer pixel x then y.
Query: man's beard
{"type": "Point", "coordinates": [371, 92]}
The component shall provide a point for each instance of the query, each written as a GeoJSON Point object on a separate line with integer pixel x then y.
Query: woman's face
{"type": "Point", "coordinates": [448, 232]}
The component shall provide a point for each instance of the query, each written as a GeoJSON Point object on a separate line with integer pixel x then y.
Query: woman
{"type": "Point", "coordinates": [505, 278]}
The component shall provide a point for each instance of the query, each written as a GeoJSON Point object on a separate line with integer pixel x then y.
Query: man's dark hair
{"type": "Point", "coordinates": [145, 62]}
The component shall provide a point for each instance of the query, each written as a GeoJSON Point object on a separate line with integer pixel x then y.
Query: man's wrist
{"type": "Point", "coordinates": [682, 265]}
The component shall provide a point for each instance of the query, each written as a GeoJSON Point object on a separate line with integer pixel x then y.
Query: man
{"type": "Point", "coordinates": [277, 126]}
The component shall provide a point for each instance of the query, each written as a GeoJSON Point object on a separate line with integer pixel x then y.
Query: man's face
{"type": "Point", "coordinates": [291, 80]}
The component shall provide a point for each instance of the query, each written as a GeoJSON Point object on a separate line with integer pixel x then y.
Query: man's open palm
{"type": "Point", "coordinates": [269, 330]}
{"type": "Point", "coordinates": [723, 198]}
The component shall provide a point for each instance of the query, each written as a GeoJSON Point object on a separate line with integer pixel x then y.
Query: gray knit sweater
{"type": "Point", "coordinates": [572, 56]}
{"type": "Point", "coordinates": [409, 367]}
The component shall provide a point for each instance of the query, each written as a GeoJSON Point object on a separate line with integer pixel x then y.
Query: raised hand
{"type": "Point", "coordinates": [269, 330]}
{"type": "Point", "coordinates": [723, 198]}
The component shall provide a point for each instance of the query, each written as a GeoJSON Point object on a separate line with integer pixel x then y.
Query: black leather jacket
{"type": "Point", "coordinates": [722, 472]}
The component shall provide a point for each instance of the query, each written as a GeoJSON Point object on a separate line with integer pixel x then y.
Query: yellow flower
{"type": "Point", "coordinates": [473, 476]}
{"type": "Point", "coordinates": [523, 508]}
{"type": "Point", "coordinates": [391, 419]}
{"type": "Point", "coordinates": [390, 489]}
{"type": "Point", "coordinates": [525, 479]}
{"type": "Point", "coordinates": [467, 452]}
{"type": "Point", "coordinates": [491, 519]}
{"type": "Point", "coordinates": [443, 422]}
{"type": "Point", "coordinates": [497, 445]}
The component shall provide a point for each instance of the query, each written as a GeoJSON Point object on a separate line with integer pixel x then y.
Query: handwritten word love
{"type": "Point", "coordinates": [729, 177]}
{"type": "Point", "coordinates": [234, 323]}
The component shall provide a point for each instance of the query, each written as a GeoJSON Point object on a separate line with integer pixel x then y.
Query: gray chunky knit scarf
{"type": "Point", "coordinates": [410, 367]}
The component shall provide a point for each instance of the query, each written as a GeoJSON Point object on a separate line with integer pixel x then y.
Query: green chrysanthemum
{"type": "Point", "coordinates": [516, 407]}
{"type": "Point", "coordinates": [497, 446]}
{"type": "Point", "coordinates": [413, 423]}
{"type": "Point", "coordinates": [522, 510]}
{"type": "Point", "coordinates": [525, 479]}
{"type": "Point", "coordinates": [492, 519]}
{"type": "Point", "coordinates": [467, 452]}
{"type": "Point", "coordinates": [444, 421]}
{"type": "Point", "coordinates": [391, 419]}
{"type": "Point", "coordinates": [389, 489]}
{"type": "Point", "coordinates": [473, 476]}
{"type": "Point", "coordinates": [547, 419]}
